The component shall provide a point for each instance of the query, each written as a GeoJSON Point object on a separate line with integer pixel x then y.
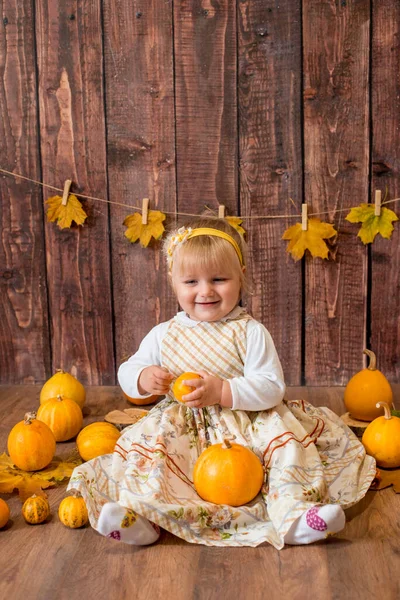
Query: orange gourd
{"type": "Point", "coordinates": [31, 444]}
{"type": "Point", "coordinates": [381, 439]}
{"type": "Point", "coordinates": [4, 513]}
{"type": "Point", "coordinates": [228, 474]}
{"type": "Point", "coordinates": [97, 439]}
{"type": "Point", "coordinates": [63, 384]}
{"type": "Point", "coordinates": [141, 401]}
{"type": "Point", "coordinates": [63, 416]}
{"type": "Point", "coordinates": [365, 389]}
{"type": "Point", "coordinates": [72, 511]}
{"type": "Point", "coordinates": [179, 389]}
{"type": "Point", "coordinates": [36, 509]}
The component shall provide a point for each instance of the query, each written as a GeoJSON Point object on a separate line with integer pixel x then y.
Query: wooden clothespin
{"type": "Point", "coordinates": [65, 195]}
{"type": "Point", "coordinates": [221, 211]}
{"type": "Point", "coordinates": [378, 201]}
{"type": "Point", "coordinates": [304, 218]}
{"type": "Point", "coordinates": [145, 210]}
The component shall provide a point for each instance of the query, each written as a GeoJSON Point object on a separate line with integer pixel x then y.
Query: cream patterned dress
{"type": "Point", "coordinates": [310, 457]}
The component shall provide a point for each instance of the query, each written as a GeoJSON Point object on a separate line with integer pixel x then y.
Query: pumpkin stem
{"type": "Point", "coordinates": [75, 493]}
{"type": "Point", "coordinates": [29, 417]}
{"type": "Point", "coordinates": [226, 444]}
{"type": "Point", "coordinates": [372, 359]}
{"type": "Point", "coordinates": [59, 397]}
{"type": "Point", "coordinates": [386, 408]}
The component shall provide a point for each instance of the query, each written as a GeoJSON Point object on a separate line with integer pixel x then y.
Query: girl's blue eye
{"type": "Point", "coordinates": [220, 279]}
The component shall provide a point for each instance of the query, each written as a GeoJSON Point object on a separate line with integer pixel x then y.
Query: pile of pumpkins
{"type": "Point", "coordinates": [32, 445]}
{"type": "Point", "coordinates": [366, 395]}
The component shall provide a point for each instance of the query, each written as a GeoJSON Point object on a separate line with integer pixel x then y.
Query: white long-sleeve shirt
{"type": "Point", "coordinates": [261, 386]}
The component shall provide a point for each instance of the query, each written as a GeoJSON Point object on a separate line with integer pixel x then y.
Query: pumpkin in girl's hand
{"type": "Point", "coordinates": [63, 384]}
{"type": "Point", "coordinates": [365, 389]}
{"type": "Point", "coordinates": [141, 401]}
{"type": "Point", "coordinates": [97, 439]}
{"type": "Point", "coordinates": [179, 389]}
{"type": "Point", "coordinates": [63, 416]}
{"type": "Point", "coordinates": [228, 474]}
{"type": "Point", "coordinates": [36, 509]}
{"type": "Point", "coordinates": [72, 511]}
{"type": "Point", "coordinates": [31, 444]}
{"type": "Point", "coordinates": [4, 513]}
{"type": "Point", "coordinates": [381, 439]}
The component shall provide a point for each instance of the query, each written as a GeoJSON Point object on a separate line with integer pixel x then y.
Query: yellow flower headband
{"type": "Point", "coordinates": [186, 234]}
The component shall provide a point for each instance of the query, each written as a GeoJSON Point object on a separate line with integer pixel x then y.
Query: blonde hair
{"type": "Point", "coordinates": [207, 251]}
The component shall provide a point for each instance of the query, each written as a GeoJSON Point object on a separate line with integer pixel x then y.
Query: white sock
{"type": "Point", "coordinates": [317, 523]}
{"type": "Point", "coordinates": [126, 525]}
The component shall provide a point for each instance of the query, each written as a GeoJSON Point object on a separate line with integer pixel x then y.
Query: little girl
{"type": "Point", "coordinates": [314, 465]}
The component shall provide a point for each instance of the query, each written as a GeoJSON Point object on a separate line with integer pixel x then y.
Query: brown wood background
{"type": "Point", "coordinates": [196, 103]}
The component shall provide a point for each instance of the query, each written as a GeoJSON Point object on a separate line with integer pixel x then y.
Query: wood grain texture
{"type": "Point", "coordinates": [336, 137]}
{"type": "Point", "coordinates": [138, 51]}
{"type": "Point", "coordinates": [385, 269]}
{"type": "Point", "coordinates": [50, 561]}
{"type": "Point", "coordinates": [73, 147]}
{"type": "Point", "coordinates": [24, 328]}
{"type": "Point", "coordinates": [271, 165]}
{"type": "Point", "coordinates": [206, 104]}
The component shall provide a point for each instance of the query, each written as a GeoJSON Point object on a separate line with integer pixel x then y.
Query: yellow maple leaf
{"type": "Point", "coordinates": [236, 223]}
{"type": "Point", "coordinates": [31, 482]}
{"type": "Point", "coordinates": [372, 224]}
{"type": "Point", "coordinates": [64, 215]}
{"type": "Point", "coordinates": [137, 231]}
{"type": "Point", "coordinates": [311, 240]}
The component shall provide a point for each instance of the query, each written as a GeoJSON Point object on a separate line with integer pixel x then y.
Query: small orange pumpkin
{"type": "Point", "coordinates": [97, 439]}
{"type": "Point", "coordinates": [179, 389]}
{"type": "Point", "coordinates": [381, 439]}
{"type": "Point", "coordinates": [141, 401]}
{"type": "Point", "coordinates": [63, 416]}
{"type": "Point", "coordinates": [31, 444]}
{"type": "Point", "coordinates": [4, 513]}
{"type": "Point", "coordinates": [228, 474]}
{"type": "Point", "coordinates": [72, 511]}
{"type": "Point", "coordinates": [63, 384]}
{"type": "Point", "coordinates": [36, 509]}
{"type": "Point", "coordinates": [365, 389]}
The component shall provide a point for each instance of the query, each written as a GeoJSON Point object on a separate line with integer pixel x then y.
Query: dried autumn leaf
{"type": "Point", "coordinates": [236, 223]}
{"type": "Point", "coordinates": [372, 224]}
{"type": "Point", "coordinates": [137, 231]}
{"type": "Point", "coordinates": [30, 482]}
{"type": "Point", "coordinates": [64, 215]}
{"type": "Point", "coordinates": [311, 240]}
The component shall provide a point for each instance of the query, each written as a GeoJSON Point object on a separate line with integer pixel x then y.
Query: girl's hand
{"type": "Point", "coordinates": [208, 391]}
{"type": "Point", "coordinates": [154, 380]}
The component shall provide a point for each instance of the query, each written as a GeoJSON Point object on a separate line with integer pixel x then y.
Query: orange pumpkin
{"type": "Point", "coordinates": [179, 389]}
{"type": "Point", "coordinates": [228, 474]}
{"type": "Point", "coordinates": [63, 416]}
{"type": "Point", "coordinates": [31, 444]}
{"type": "Point", "coordinates": [36, 509]}
{"type": "Point", "coordinates": [63, 384]}
{"type": "Point", "coordinates": [72, 511]}
{"type": "Point", "coordinates": [97, 439]}
{"type": "Point", "coordinates": [4, 513]}
{"type": "Point", "coordinates": [365, 389]}
{"type": "Point", "coordinates": [142, 401]}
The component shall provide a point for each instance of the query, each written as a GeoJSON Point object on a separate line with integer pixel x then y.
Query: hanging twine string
{"type": "Point", "coordinates": [139, 208]}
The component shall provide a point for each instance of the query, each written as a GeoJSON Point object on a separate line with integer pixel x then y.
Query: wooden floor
{"type": "Point", "coordinates": [49, 561]}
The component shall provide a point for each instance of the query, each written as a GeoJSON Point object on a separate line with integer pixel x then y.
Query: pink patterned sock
{"type": "Point", "coordinates": [316, 524]}
{"type": "Point", "coordinates": [125, 525]}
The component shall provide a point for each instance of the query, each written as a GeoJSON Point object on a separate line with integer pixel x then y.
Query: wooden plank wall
{"type": "Point", "coordinates": [196, 104]}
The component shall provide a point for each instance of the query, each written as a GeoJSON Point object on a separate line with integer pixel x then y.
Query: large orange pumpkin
{"type": "Point", "coordinates": [63, 384]}
{"type": "Point", "coordinates": [141, 401]}
{"type": "Point", "coordinates": [97, 439]}
{"type": "Point", "coordinates": [63, 416]}
{"type": "Point", "coordinates": [31, 444]}
{"type": "Point", "coordinates": [179, 389]}
{"type": "Point", "coordinates": [365, 389]}
{"type": "Point", "coordinates": [228, 474]}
